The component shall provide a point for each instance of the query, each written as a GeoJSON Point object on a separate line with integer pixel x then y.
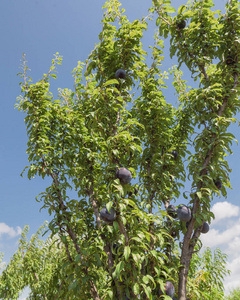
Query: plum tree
{"type": "Point", "coordinates": [80, 140]}
{"type": "Point", "coordinates": [204, 228]}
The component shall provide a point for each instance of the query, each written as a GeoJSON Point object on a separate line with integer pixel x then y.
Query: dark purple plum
{"type": "Point", "coordinates": [172, 211]}
{"type": "Point", "coordinates": [181, 24]}
{"type": "Point", "coordinates": [230, 60]}
{"type": "Point", "coordinates": [106, 216]}
{"type": "Point", "coordinates": [124, 175]}
{"type": "Point", "coordinates": [205, 228]}
{"type": "Point", "coordinates": [175, 154]}
{"type": "Point", "coordinates": [169, 289]}
{"type": "Point", "coordinates": [218, 184]}
{"type": "Point", "coordinates": [120, 73]}
{"type": "Point", "coordinates": [184, 213]}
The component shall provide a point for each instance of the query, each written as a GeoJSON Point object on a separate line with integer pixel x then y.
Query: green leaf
{"type": "Point", "coordinates": [169, 9]}
{"type": "Point", "coordinates": [126, 252]}
{"type": "Point", "coordinates": [181, 9]}
{"type": "Point", "coordinates": [116, 226]}
{"type": "Point", "coordinates": [147, 291]}
{"type": "Point", "coordinates": [136, 288]}
{"type": "Point", "coordinates": [145, 279]}
{"type": "Point", "coordinates": [109, 205]}
{"type": "Point", "coordinates": [199, 194]}
{"type": "Point", "coordinates": [136, 257]}
{"type": "Point", "coordinates": [119, 268]}
{"type": "Point", "coordinates": [110, 82]}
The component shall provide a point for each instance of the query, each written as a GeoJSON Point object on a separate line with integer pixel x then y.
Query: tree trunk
{"type": "Point", "coordinates": [182, 291]}
{"type": "Point", "coordinates": [185, 263]}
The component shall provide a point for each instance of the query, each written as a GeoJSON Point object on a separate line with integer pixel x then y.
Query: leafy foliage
{"type": "Point", "coordinates": [41, 265]}
{"type": "Point", "coordinates": [206, 274]}
{"type": "Point", "coordinates": [81, 138]}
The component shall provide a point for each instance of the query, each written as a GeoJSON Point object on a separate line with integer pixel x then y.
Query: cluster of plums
{"type": "Point", "coordinates": [125, 177]}
{"type": "Point", "coordinates": [184, 214]}
{"type": "Point", "coordinates": [123, 174]}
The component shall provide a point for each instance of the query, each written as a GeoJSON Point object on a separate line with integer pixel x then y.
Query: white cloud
{"type": "Point", "coordinates": [232, 281]}
{"type": "Point", "coordinates": [215, 238]}
{"type": "Point", "coordinates": [226, 235]}
{"type": "Point", "coordinates": [223, 210]}
{"type": "Point", "coordinates": [233, 248]}
{"type": "Point", "coordinates": [10, 231]}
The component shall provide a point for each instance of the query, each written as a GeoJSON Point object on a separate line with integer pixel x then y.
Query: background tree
{"type": "Point", "coordinates": [40, 266]}
{"type": "Point", "coordinates": [234, 294]}
{"type": "Point", "coordinates": [206, 274]}
{"type": "Point", "coordinates": [82, 139]}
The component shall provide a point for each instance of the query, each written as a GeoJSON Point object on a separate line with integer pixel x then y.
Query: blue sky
{"type": "Point", "coordinates": [40, 29]}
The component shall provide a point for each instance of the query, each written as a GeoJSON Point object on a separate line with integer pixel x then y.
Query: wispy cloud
{"type": "Point", "coordinates": [10, 231]}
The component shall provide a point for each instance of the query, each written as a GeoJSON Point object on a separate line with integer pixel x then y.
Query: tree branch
{"type": "Point", "coordinates": [188, 242]}
{"type": "Point", "coordinates": [71, 233]}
